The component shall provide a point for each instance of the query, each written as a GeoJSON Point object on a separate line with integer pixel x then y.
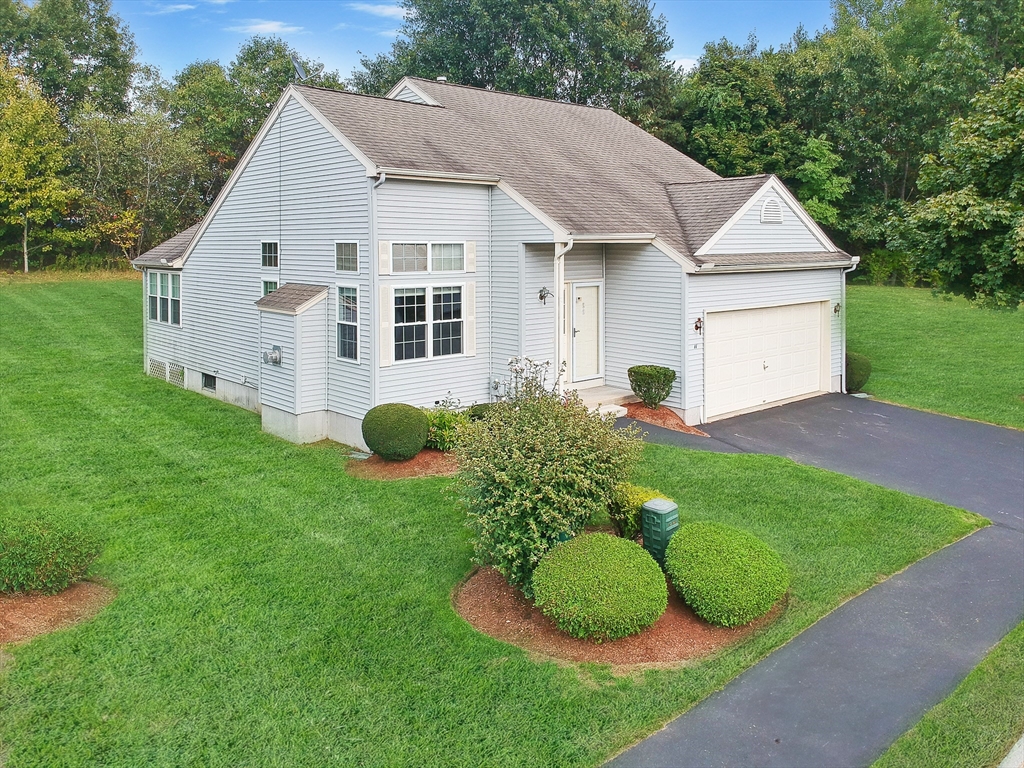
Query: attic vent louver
{"type": "Point", "coordinates": [771, 211]}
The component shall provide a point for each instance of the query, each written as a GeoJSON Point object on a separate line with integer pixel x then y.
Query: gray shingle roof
{"type": "Point", "coordinates": [291, 298]}
{"type": "Point", "coordinates": [589, 169]}
{"type": "Point", "coordinates": [168, 250]}
{"type": "Point", "coordinates": [838, 258]}
{"type": "Point", "coordinates": [703, 207]}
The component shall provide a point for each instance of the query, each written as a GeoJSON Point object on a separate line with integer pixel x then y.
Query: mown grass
{"type": "Point", "coordinates": [940, 354]}
{"type": "Point", "coordinates": [979, 722]}
{"type": "Point", "coordinates": [273, 611]}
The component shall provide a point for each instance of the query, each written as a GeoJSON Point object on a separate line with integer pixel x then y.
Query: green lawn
{"type": "Point", "coordinates": [273, 611]}
{"type": "Point", "coordinates": [977, 724]}
{"type": "Point", "coordinates": [940, 354]}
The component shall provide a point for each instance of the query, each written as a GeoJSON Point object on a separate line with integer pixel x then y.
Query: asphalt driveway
{"type": "Point", "coordinates": [963, 463]}
{"type": "Point", "coordinates": [843, 690]}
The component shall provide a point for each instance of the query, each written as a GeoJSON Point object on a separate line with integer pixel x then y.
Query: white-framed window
{"type": "Point", "coordinates": [771, 211]}
{"type": "Point", "coordinates": [428, 257]}
{"type": "Point", "coordinates": [270, 254]}
{"type": "Point", "coordinates": [348, 322]}
{"type": "Point", "coordinates": [428, 321]}
{"type": "Point", "coordinates": [346, 256]}
{"type": "Point", "coordinates": [164, 291]}
{"type": "Point", "coordinates": [269, 286]}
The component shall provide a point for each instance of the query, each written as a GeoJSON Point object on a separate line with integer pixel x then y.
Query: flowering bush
{"type": "Point", "coordinates": [443, 421]}
{"type": "Point", "coordinates": [536, 469]}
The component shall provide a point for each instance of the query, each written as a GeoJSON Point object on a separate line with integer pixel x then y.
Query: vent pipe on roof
{"type": "Point", "coordinates": [442, 79]}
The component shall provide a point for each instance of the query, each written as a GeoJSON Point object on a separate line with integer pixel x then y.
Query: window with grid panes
{"type": "Point", "coordinates": [346, 257]}
{"type": "Point", "coordinates": [165, 298]}
{"type": "Point", "coordinates": [447, 321]}
{"type": "Point", "coordinates": [269, 253]}
{"type": "Point", "coordinates": [348, 323]}
{"type": "Point", "coordinates": [447, 257]}
{"type": "Point", "coordinates": [408, 257]}
{"type": "Point", "coordinates": [269, 286]}
{"type": "Point", "coordinates": [410, 323]}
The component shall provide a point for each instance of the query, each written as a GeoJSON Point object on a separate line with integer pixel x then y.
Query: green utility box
{"type": "Point", "coordinates": [659, 519]}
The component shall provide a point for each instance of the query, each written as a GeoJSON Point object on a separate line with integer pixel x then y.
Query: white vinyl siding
{"type": "Point", "coordinates": [511, 226]}
{"type": "Point", "coordinates": [585, 263]}
{"type": "Point", "coordinates": [277, 382]}
{"type": "Point", "coordinates": [325, 196]}
{"type": "Point", "coordinates": [643, 314]}
{"type": "Point", "coordinates": [429, 212]}
{"type": "Point", "coordinates": [749, 235]}
{"type": "Point", "coordinates": [709, 293]}
{"type": "Point", "coordinates": [408, 94]}
{"type": "Point", "coordinates": [539, 317]}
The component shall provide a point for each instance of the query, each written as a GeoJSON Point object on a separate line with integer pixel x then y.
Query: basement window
{"type": "Point", "coordinates": [209, 382]}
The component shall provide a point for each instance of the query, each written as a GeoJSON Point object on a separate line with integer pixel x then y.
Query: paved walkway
{"type": "Point", "coordinates": [843, 690]}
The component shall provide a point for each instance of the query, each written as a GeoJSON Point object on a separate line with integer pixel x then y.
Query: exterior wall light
{"type": "Point", "coordinates": [836, 308]}
{"type": "Point", "coordinates": [544, 294]}
{"type": "Point", "coordinates": [699, 325]}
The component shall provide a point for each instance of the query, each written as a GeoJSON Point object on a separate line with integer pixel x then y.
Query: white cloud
{"type": "Point", "coordinates": [219, 2]}
{"type": "Point", "coordinates": [390, 32]}
{"type": "Point", "coordinates": [264, 27]}
{"type": "Point", "coordinates": [379, 9]}
{"type": "Point", "coordinates": [686, 63]}
{"type": "Point", "coordinates": [176, 8]}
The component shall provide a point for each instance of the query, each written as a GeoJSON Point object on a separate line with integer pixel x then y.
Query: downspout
{"type": "Point", "coordinates": [842, 300]}
{"type": "Point", "coordinates": [375, 309]}
{"type": "Point", "coordinates": [560, 250]}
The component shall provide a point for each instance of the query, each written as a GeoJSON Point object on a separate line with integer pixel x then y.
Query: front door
{"type": "Point", "coordinates": [586, 331]}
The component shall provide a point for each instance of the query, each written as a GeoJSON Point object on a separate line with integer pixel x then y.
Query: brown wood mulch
{"type": "Point", "coordinates": [426, 463]}
{"type": "Point", "coordinates": [497, 609]}
{"type": "Point", "coordinates": [25, 615]}
{"type": "Point", "coordinates": [662, 417]}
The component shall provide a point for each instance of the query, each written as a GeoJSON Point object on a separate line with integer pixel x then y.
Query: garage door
{"type": "Point", "coordinates": [755, 357]}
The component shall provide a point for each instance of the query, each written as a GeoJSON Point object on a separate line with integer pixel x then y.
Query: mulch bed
{"type": "Point", "coordinates": [30, 614]}
{"type": "Point", "coordinates": [662, 417]}
{"type": "Point", "coordinates": [427, 463]}
{"type": "Point", "coordinates": [497, 609]}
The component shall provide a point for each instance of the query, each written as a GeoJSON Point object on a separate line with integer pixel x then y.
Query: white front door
{"type": "Point", "coordinates": [586, 331]}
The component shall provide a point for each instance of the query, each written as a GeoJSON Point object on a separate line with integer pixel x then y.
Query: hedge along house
{"type": "Point", "coordinates": [370, 250]}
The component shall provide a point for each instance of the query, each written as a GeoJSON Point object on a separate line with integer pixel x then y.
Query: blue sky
{"type": "Point", "coordinates": [172, 33]}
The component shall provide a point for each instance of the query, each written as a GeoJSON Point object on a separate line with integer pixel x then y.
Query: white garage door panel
{"type": "Point", "coordinates": [759, 356]}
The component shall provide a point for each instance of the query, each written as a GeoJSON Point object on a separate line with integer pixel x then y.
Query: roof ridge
{"type": "Point", "coordinates": [509, 93]}
{"type": "Point", "coordinates": [346, 92]}
{"type": "Point", "coordinates": [719, 179]}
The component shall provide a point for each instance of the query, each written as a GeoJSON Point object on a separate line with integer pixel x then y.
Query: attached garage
{"type": "Point", "coordinates": [762, 356]}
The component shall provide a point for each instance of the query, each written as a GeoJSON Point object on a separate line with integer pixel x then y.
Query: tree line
{"type": "Point", "coordinates": [900, 126]}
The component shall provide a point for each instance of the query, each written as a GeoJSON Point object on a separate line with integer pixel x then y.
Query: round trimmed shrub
{"type": "Point", "coordinates": [395, 431]}
{"type": "Point", "coordinates": [727, 576]}
{"type": "Point", "coordinates": [651, 383]}
{"type": "Point", "coordinates": [858, 371]}
{"type": "Point", "coordinates": [600, 587]}
{"type": "Point", "coordinates": [43, 555]}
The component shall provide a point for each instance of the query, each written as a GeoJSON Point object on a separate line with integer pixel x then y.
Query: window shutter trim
{"type": "Point", "coordinates": [469, 313]}
{"type": "Point", "coordinates": [383, 257]}
{"type": "Point", "coordinates": [386, 335]}
{"type": "Point", "coordinates": [471, 255]}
